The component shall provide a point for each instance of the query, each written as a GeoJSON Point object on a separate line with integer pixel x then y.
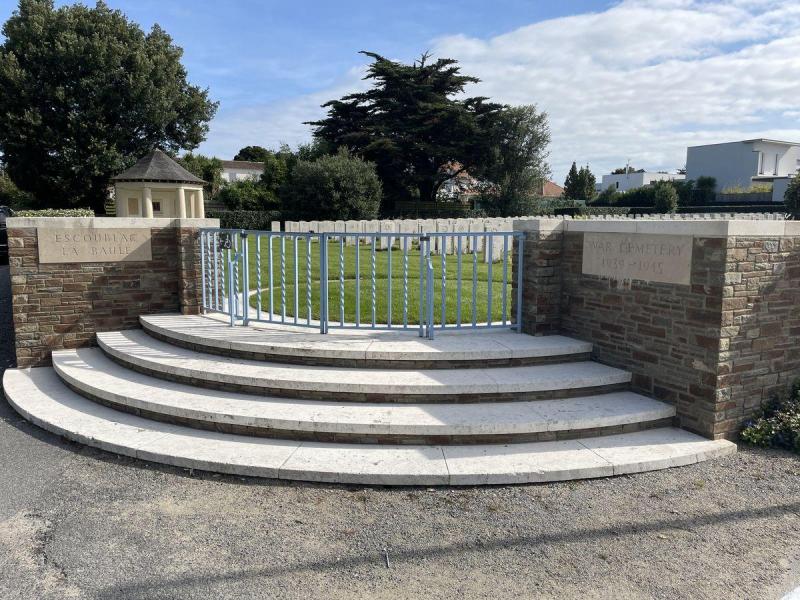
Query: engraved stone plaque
{"type": "Point", "coordinates": [88, 245]}
{"type": "Point", "coordinates": [646, 257]}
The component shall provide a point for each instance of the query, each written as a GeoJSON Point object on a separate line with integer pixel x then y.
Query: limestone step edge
{"type": "Point", "coordinates": [92, 374]}
{"type": "Point", "coordinates": [39, 396]}
{"type": "Point", "coordinates": [396, 349]}
{"type": "Point", "coordinates": [135, 349]}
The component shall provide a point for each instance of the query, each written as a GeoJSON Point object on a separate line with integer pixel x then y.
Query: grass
{"type": "Point", "coordinates": [400, 286]}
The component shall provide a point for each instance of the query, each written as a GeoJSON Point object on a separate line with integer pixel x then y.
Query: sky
{"type": "Point", "coordinates": [632, 80]}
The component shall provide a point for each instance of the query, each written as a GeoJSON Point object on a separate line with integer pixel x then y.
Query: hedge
{"type": "Point", "coordinates": [56, 212]}
{"type": "Point", "coordinates": [245, 219]}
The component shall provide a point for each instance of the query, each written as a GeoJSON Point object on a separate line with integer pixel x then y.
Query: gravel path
{"type": "Point", "coordinates": [80, 523]}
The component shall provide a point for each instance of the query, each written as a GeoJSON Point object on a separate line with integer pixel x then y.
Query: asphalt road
{"type": "Point", "coordinates": [81, 523]}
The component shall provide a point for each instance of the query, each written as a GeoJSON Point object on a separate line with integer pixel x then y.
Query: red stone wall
{"type": "Point", "coordinates": [716, 348]}
{"type": "Point", "coordinates": [63, 305]}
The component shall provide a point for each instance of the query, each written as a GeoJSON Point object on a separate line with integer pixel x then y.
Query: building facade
{"type": "Point", "coordinates": [241, 170]}
{"type": "Point", "coordinates": [744, 164]}
{"type": "Point", "coordinates": [622, 182]}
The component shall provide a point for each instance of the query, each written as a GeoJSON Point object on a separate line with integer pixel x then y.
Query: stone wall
{"type": "Point", "coordinates": [715, 348]}
{"type": "Point", "coordinates": [62, 305]}
{"type": "Point", "coordinates": [667, 335]}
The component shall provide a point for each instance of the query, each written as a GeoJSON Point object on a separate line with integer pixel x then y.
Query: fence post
{"type": "Point", "coordinates": [323, 283]}
{"type": "Point", "coordinates": [231, 302]}
{"type": "Point", "coordinates": [520, 255]}
{"type": "Point", "coordinates": [244, 260]}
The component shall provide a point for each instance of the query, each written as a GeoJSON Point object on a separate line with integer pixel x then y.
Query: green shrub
{"type": "Point", "coordinates": [56, 212]}
{"type": "Point", "coordinates": [259, 220]}
{"type": "Point", "coordinates": [608, 196]}
{"type": "Point", "coordinates": [247, 195]}
{"type": "Point", "coordinates": [11, 195]}
{"type": "Point", "coordinates": [334, 187]}
{"type": "Point", "coordinates": [704, 190]}
{"type": "Point", "coordinates": [665, 199]}
{"type": "Point", "coordinates": [792, 196]}
{"type": "Point", "coordinates": [777, 423]}
{"type": "Point", "coordinates": [756, 188]}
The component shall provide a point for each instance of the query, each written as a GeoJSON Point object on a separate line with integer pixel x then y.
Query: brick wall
{"type": "Point", "coordinates": [715, 348]}
{"type": "Point", "coordinates": [760, 335]}
{"type": "Point", "coordinates": [63, 305]}
{"type": "Point", "coordinates": [667, 335]}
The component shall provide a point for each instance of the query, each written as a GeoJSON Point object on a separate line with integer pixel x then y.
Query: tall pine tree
{"type": "Point", "coordinates": [572, 184]}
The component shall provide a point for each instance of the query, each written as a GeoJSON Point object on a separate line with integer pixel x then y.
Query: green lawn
{"type": "Point", "coordinates": [382, 296]}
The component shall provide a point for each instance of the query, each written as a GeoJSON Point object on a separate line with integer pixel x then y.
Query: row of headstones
{"type": "Point", "coordinates": [449, 244]}
{"type": "Point", "coordinates": [672, 216]}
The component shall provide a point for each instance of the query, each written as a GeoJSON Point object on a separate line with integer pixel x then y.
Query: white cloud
{"type": "Point", "coordinates": [641, 80]}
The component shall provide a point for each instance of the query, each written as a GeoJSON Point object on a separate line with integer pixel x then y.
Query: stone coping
{"type": "Point", "coordinates": [106, 222]}
{"type": "Point", "coordinates": [697, 228]}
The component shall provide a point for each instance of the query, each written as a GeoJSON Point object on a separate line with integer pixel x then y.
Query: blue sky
{"type": "Point", "coordinates": [631, 79]}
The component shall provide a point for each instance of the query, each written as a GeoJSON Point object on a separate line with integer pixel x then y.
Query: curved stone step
{"type": "Point", "coordinates": [94, 375]}
{"type": "Point", "coordinates": [363, 348]}
{"type": "Point", "coordinates": [137, 350]}
{"type": "Point", "coordinates": [42, 398]}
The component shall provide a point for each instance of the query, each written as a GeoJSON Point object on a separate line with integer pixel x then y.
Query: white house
{"type": "Point", "coordinates": [744, 163]}
{"type": "Point", "coordinates": [622, 182]}
{"type": "Point", "coordinates": [240, 170]}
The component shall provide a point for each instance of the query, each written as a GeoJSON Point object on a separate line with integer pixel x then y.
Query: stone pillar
{"type": "Point", "coordinates": [541, 277]}
{"type": "Point", "coordinates": [190, 272]}
{"type": "Point", "coordinates": [181, 203]}
{"type": "Point", "coordinates": [200, 209]}
{"type": "Point", "coordinates": [147, 201]}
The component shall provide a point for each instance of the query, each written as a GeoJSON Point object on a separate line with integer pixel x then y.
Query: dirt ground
{"type": "Point", "coordinates": [81, 523]}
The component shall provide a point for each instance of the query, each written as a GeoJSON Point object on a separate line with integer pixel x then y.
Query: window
{"type": "Point", "coordinates": [616, 183]}
{"type": "Point", "coordinates": [156, 207]}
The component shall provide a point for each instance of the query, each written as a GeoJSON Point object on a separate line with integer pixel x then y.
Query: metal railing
{"type": "Point", "coordinates": [423, 281]}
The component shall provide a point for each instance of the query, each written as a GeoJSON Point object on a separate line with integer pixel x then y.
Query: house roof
{"type": "Point", "coordinates": [551, 189]}
{"type": "Point", "coordinates": [242, 164]}
{"type": "Point", "coordinates": [767, 140]}
{"type": "Point", "coordinates": [782, 142]}
{"type": "Point", "coordinates": [157, 166]}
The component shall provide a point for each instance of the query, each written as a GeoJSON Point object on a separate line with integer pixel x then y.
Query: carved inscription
{"type": "Point", "coordinates": [93, 245]}
{"type": "Point", "coordinates": [646, 257]}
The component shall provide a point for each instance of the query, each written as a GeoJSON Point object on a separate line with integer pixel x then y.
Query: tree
{"type": "Point", "coordinates": [586, 184]}
{"type": "Point", "coordinates": [247, 195]}
{"type": "Point", "coordinates": [705, 190]}
{"type": "Point", "coordinates": [571, 184]}
{"type": "Point", "coordinates": [665, 198]}
{"type": "Point", "coordinates": [12, 196]}
{"type": "Point", "coordinates": [253, 153]}
{"type": "Point", "coordinates": [339, 187]}
{"type": "Point", "coordinates": [623, 170]}
{"type": "Point", "coordinates": [608, 196]}
{"type": "Point", "coordinates": [83, 94]}
{"type": "Point", "coordinates": [792, 196]}
{"type": "Point", "coordinates": [519, 167]}
{"type": "Point", "coordinates": [413, 124]}
{"type": "Point", "coordinates": [207, 168]}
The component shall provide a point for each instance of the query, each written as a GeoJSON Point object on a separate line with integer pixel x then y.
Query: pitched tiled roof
{"type": "Point", "coordinates": [551, 190]}
{"type": "Point", "coordinates": [242, 164]}
{"type": "Point", "coordinates": [157, 166]}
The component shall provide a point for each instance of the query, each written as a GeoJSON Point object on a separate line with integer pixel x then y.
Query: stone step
{"type": "Point", "coordinates": [94, 375]}
{"type": "Point", "coordinates": [42, 398]}
{"type": "Point", "coordinates": [363, 348]}
{"type": "Point", "coordinates": [137, 350]}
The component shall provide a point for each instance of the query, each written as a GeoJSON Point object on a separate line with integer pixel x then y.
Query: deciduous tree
{"type": "Point", "coordinates": [84, 92]}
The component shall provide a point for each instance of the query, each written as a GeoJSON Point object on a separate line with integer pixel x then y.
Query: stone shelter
{"type": "Point", "coordinates": [157, 186]}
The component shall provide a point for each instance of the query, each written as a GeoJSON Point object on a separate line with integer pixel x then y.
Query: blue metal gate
{"type": "Point", "coordinates": [422, 281]}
